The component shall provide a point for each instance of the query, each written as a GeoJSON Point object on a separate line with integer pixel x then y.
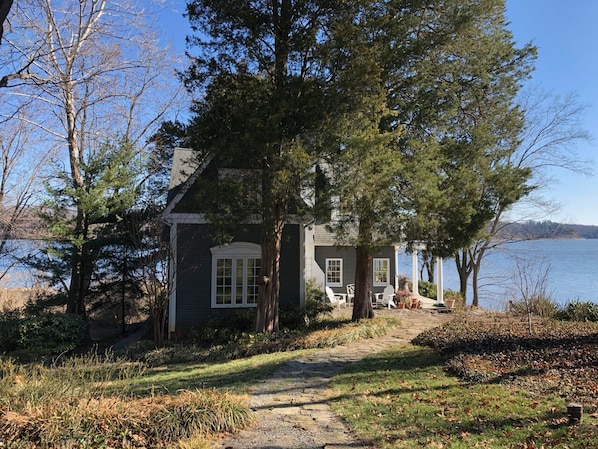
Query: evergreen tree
{"type": "Point", "coordinates": [419, 116]}
{"type": "Point", "coordinates": [474, 128]}
{"type": "Point", "coordinates": [447, 72]}
{"type": "Point", "coordinates": [259, 68]}
{"type": "Point", "coordinates": [84, 222]}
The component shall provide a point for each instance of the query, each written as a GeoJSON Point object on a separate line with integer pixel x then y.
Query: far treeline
{"type": "Point", "coordinates": [548, 230]}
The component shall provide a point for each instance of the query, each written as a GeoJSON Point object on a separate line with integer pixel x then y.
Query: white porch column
{"type": "Point", "coordinates": [415, 272]}
{"type": "Point", "coordinates": [440, 281]}
{"type": "Point", "coordinates": [396, 283]}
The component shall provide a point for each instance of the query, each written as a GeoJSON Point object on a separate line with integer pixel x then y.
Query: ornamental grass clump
{"type": "Point", "coordinates": [75, 405]}
{"type": "Point", "coordinates": [349, 332]}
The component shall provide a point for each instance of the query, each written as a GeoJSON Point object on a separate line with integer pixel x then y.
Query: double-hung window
{"type": "Point", "coordinates": [235, 272]}
{"type": "Point", "coordinates": [381, 272]}
{"type": "Point", "coordinates": [334, 272]}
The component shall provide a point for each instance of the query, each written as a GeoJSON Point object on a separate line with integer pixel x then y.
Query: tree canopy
{"type": "Point", "coordinates": [409, 105]}
{"type": "Point", "coordinates": [263, 86]}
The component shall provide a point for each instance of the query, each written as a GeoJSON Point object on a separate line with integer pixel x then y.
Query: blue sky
{"type": "Point", "coordinates": [566, 34]}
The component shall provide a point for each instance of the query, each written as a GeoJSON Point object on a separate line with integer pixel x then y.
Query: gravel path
{"type": "Point", "coordinates": [291, 407]}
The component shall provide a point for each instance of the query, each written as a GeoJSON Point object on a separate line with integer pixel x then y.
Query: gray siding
{"type": "Point", "coordinates": [194, 278]}
{"type": "Point", "coordinates": [348, 255]}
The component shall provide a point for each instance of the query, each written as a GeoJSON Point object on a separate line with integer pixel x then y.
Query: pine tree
{"type": "Point", "coordinates": [258, 65]}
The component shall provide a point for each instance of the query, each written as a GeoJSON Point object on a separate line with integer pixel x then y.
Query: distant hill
{"type": "Point", "coordinates": [548, 230]}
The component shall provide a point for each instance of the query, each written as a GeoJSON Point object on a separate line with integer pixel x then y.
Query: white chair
{"type": "Point", "coordinates": [387, 297]}
{"type": "Point", "coordinates": [350, 292]}
{"type": "Point", "coordinates": [336, 298]}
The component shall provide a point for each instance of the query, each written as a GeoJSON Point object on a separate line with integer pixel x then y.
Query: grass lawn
{"type": "Point", "coordinates": [109, 402]}
{"type": "Point", "coordinates": [511, 391]}
{"type": "Point", "coordinates": [236, 376]}
{"type": "Point", "coordinates": [404, 398]}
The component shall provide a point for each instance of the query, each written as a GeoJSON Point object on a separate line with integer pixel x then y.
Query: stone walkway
{"type": "Point", "coordinates": [291, 407]}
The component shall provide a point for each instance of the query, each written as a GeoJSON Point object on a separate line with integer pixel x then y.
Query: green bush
{"type": "Point", "coordinates": [316, 304]}
{"type": "Point", "coordinates": [579, 311]}
{"type": "Point", "coordinates": [316, 309]}
{"type": "Point", "coordinates": [222, 329]}
{"type": "Point", "coordinates": [427, 289]}
{"type": "Point", "coordinates": [538, 305]}
{"type": "Point", "coordinates": [292, 317]}
{"type": "Point", "coordinates": [9, 331]}
{"type": "Point", "coordinates": [44, 334]}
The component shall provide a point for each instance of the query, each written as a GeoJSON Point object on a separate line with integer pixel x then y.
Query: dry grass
{"type": "Point", "coordinates": [14, 298]}
{"type": "Point", "coordinates": [114, 421]}
{"type": "Point", "coordinates": [75, 405]}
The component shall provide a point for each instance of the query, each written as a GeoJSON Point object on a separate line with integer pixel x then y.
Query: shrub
{"type": "Point", "coordinates": [316, 304]}
{"type": "Point", "coordinates": [44, 334]}
{"type": "Point", "coordinates": [427, 289]}
{"type": "Point", "coordinates": [9, 331]}
{"type": "Point", "coordinates": [538, 305]}
{"type": "Point", "coordinates": [579, 311]}
{"type": "Point", "coordinates": [221, 329]}
{"type": "Point", "coordinates": [51, 333]}
{"type": "Point", "coordinates": [292, 317]}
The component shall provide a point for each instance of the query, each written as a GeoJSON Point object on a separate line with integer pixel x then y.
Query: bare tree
{"type": "Point", "coordinates": [95, 72]}
{"type": "Point", "coordinates": [551, 132]}
{"type": "Point", "coordinates": [22, 166]}
{"type": "Point", "coordinates": [529, 290]}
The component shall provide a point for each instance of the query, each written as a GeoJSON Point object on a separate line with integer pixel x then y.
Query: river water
{"type": "Point", "coordinates": [568, 266]}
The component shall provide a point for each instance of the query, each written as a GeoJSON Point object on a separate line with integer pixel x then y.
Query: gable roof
{"type": "Point", "coordinates": [186, 167]}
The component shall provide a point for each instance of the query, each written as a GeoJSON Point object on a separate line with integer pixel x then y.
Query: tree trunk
{"type": "Point", "coordinates": [80, 271]}
{"type": "Point", "coordinates": [429, 264]}
{"type": "Point", "coordinates": [474, 283]}
{"type": "Point", "coordinates": [4, 10]}
{"type": "Point", "coordinates": [362, 302]}
{"type": "Point", "coordinates": [269, 282]}
{"type": "Point", "coordinates": [461, 261]}
{"type": "Point", "coordinates": [362, 307]}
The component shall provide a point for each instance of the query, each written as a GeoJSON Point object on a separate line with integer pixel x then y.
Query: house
{"type": "Point", "coordinates": [208, 280]}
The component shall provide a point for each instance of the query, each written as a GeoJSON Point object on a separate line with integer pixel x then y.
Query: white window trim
{"type": "Point", "coordinates": [244, 250]}
{"type": "Point", "coordinates": [381, 284]}
{"type": "Point", "coordinates": [334, 284]}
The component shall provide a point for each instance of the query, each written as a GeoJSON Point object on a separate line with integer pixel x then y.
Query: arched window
{"type": "Point", "coordinates": [235, 271]}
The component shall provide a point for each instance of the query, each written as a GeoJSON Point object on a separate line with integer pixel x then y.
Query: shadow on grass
{"type": "Point", "coordinates": [238, 375]}
{"type": "Point", "coordinates": [404, 398]}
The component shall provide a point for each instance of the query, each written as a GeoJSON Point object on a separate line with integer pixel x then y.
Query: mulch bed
{"type": "Point", "coordinates": [555, 358]}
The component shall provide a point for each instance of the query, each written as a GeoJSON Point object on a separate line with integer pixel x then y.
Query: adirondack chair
{"type": "Point", "coordinates": [339, 299]}
{"type": "Point", "coordinates": [387, 297]}
{"type": "Point", "coordinates": [350, 292]}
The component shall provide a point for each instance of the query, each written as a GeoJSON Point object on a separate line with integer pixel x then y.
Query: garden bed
{"type": "Point", "coordinates": [556, 358]}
